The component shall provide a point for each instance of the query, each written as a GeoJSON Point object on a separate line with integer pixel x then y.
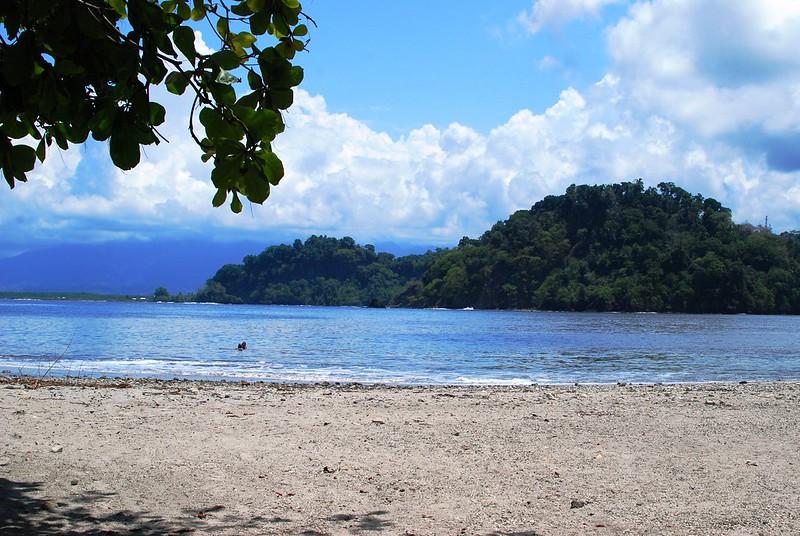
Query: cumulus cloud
{"type": "Point", "coordinates": [670, 109]}
{"type": "Point", "coordinates": [430, 186]}
{"type": "Point", "coordinates": [717, 67]}
{"type": "Point", "coordinates": [555, 13]}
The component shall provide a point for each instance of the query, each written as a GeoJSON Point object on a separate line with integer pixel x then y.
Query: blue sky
{"type": "Point", "coordinates": [406, 64]}
{"type": "Point", "coordinates": [421, 122]}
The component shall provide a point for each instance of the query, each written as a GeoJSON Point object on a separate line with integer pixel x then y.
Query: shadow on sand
{"type": "Point", "coordinates": [24, 512]}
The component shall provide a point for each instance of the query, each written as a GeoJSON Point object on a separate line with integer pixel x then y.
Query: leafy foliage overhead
{"type": "Point", "coordinates": [74, 68]}
{"type": "Point", "coordinates": [620, 247]}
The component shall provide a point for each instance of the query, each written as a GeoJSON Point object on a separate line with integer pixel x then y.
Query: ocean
{"type": "Point", "coordinates": [392, 346]}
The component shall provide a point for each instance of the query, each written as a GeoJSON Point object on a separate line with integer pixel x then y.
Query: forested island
{"type": "Point", "coordinates": [619, 247]}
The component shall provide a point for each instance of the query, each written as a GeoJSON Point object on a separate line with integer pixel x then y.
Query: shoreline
{"type": "Point", "coordinates": [121, 298]}
{"type": "Point", "coordinates": [51, 380]}
{"type": "Point", "coordinates": [172, 457]}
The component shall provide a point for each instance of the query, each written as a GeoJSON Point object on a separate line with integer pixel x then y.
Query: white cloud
{"type": "Point", "coordinates": [668, 110]}
{"type": "Point", "coordinates": [555, 13]}
{"type": "Point", "coordinates": [432, 185]}
{"type": "Point", "coordinates": [715, 66]}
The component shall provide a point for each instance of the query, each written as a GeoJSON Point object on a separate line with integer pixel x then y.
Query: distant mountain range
{"type": "Point", "coordinates": [130, 267]}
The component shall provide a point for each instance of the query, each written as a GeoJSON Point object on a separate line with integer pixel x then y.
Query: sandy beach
{"type": "Point", "coordinates": [173, 457]}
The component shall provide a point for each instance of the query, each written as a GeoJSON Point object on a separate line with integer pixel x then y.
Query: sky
{"type": "Point", "coordinates": [422, 122]}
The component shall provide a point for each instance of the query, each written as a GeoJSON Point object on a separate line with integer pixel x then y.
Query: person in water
{"type": "Point", "coordinates": [242, 346]}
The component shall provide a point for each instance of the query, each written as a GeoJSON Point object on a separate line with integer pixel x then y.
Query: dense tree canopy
{"type": "Point", "coordinates": [321, 271]}
{"type": "Point", "coordinates": [620, 247]}
{"type": "Point", "coordinates": [74, 68]}
{"type": "Point", "coordinates": [625, 248]}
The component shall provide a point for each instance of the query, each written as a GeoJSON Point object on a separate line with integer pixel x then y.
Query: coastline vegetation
{"type": "Point", "coordinates": [619, 247]}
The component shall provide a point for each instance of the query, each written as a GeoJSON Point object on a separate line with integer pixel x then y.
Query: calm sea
{"type": "Point", "coordinates": [312, 344]}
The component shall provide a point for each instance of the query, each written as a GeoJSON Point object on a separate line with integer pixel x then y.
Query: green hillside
{"type": "Point", "coordinates": [620, 247]}
{"type": "Point", "coordinates": [321, 271]}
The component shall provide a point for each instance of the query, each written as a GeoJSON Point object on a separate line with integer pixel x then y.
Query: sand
{"type": "Point", "coordinates": [154, 457]}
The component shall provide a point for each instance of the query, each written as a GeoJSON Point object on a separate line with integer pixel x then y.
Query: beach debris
{"type": "Point", "coordinates": [202, 514]}
{"type": "Point", "coordinates": [378, 421]}
{"type": "Point", "coordinates": [751, 463]}
{"type": "Point", "coordinates": [73, 482]}
{"type": "Point", "coordinates": [328, 470]}
{"type": "Point", "coordinates": [56, 448]}
{"type": "Point", "coordinates": [577, 503]}
{"type": "Point", "coordinates": [4, 462]}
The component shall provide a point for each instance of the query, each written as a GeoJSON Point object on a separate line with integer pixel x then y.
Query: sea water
{"type": "Point", "coordinates": [395, 346]}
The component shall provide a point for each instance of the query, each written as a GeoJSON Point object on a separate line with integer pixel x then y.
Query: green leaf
{"type": "Point", "coordinates": [222, 27]}
{"type": "Point", "coordinates": [272, 166]}
{"type": "Point", "coordinates": [119, 7]}
{"type": "Point", "coordinates": [184, 40]}
{"type": "Point", "coordinates": [17, 65]}
{"type": "Point", "coordinates": [291, 4]}
{"type": "Point", "coordinates": [256, 5]}
{"type": "Point", "coordinates": [198, 14]}
{"type": "Point", "coordinates": [262, 124]}
{"type": "Point", "coordinates": [219, 197]}
{"type": "Point", "coordinates": [224, 94]}
{"type": "Point", "coordinates": [61, 139]}
{"type": "Point", "coordinates": [250, 100]}
{"type": "Point", "coordinates": [243, 10]}
{"type": "Point", "coordinates": [296, 75]}
{"type": "Point", "coordinates": [184, 12]}
{"type": "Point", "coordinates": [259, 23]}
{"type": "Point", "coordinates": [23, 158]}
{"type": "Point", "coordinates": [281, 98]}
{"type": "Point", "coordinates": [236, 204]}
{"type": "Point", "coordinates": [256, 188]}
{"type": "Point", "coordinates": [165, 45]}
{"type": "Point", "coordinates": [226, 171]}
{"type": "Point", "coordinates": [169, 5]}
{"type": "Point", "coordinates": [300, 30]}
{"type": "Point", "coordinates": [124, 147]}
{"type": "Point", "coordinates": [103, 122]}
{"type": "Point", "coordinates": [176, 82]}
{"type": "Point", "coordinates": [157, 114]}
{"type": "Point", "coordinates": [41, 150]}
{"type": "Point", "coordinates": [32, 130]}
{"type": "Point", "coordinates": [245, 39]}
{"type": "Point", "coordinates": [229, 148]}
{"type": "Point", "coordinates": [226, 59]}
{"type": "Point", "coordinates": [218, 127]}
{"type": "Point", "coordinates": [254, 80]}
{"type": "Point", "coordinates": [8, 173]}
{"type": "Point", "coordinates": [15, 129]}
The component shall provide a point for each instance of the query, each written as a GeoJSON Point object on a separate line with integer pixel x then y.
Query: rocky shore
{"type": "Point", "coordinates": [132, 456]}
